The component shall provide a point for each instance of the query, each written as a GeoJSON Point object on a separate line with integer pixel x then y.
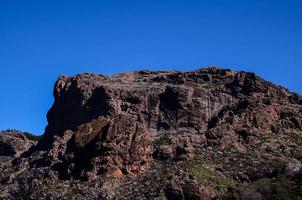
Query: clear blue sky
{"type": "Point", "coordinates": [42, 39]}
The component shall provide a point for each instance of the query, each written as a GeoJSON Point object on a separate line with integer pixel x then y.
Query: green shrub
{"type": "Point", "coordinates": [207, 177]}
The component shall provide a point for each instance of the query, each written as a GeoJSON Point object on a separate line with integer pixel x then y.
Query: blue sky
{"type": "Point", "coordinates": [40, 40]}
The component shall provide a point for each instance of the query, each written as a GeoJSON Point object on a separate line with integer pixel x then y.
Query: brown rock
{"type": "Point", "coordinates": [103, 123]}
{"type": "Point", "coordinates": [13, 143]}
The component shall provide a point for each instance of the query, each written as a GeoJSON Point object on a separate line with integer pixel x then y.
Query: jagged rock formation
{"type": "Point", "coordinates": [188, 135]}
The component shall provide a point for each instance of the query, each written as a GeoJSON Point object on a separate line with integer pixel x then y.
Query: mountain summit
{"type": "Point", "coordinates": [210, 133]}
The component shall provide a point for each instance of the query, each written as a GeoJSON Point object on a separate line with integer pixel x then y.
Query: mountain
{"type": "Point", "coordinates": [211, 133]}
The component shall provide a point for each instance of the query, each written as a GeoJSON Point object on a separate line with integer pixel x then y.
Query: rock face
{"type": "Point", "coordinates": [220, 127]}
{"type": "Point", "coordinates": [116, 146]}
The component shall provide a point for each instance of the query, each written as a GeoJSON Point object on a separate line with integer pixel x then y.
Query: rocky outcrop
{"type": "Point", "coordinates": [13, 143]}
{"type": "Point", "coordinates": [213, 105]}
{"type": "Point", "coordinates": [126, 133]}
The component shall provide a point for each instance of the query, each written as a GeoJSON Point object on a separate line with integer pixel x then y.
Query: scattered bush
{"type": "Point", "coordinates": [207, 177]}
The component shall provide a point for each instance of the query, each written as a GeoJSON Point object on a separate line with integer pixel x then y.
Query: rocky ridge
{"type": "Point", "coordinates": [204, 134]}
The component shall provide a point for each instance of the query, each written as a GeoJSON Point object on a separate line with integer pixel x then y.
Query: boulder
{"type": "Point", "coordinates": [13, 143]}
